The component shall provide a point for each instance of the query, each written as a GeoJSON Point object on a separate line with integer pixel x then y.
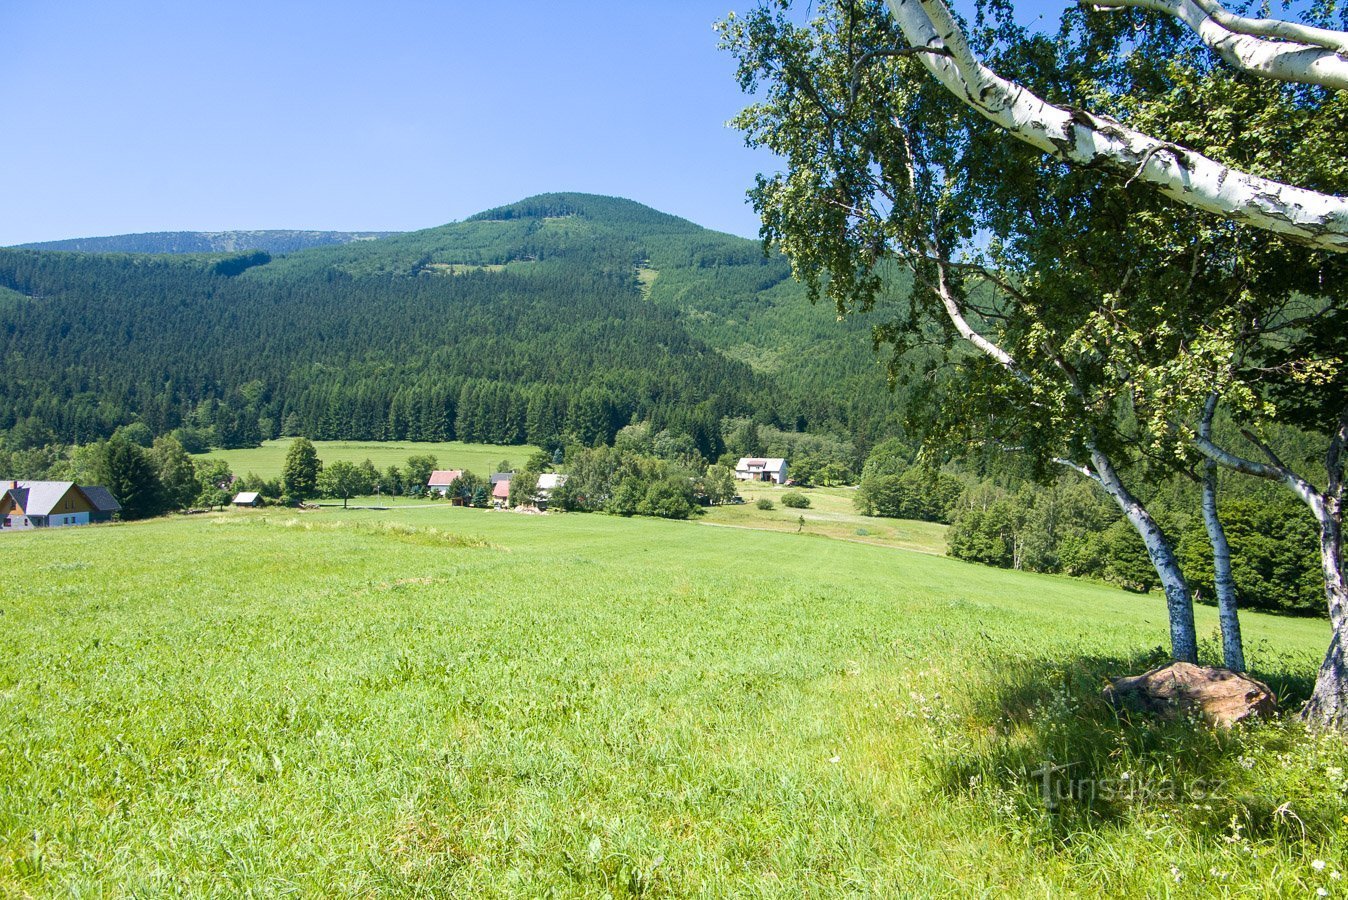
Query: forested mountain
{"type": "Point", "coordinates": [208, 241]}
{"type": "Point", "coordinates": [562, 317]}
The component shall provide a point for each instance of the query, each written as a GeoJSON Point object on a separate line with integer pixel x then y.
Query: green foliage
{"type": "Point", "coordinates": [137, 433]}
{"type": "Point", "coordinates": [213, 482]}
{"type": "Point", "coordinates": [763, 503]}
{"type": "Point", "coordinates": [1275, 555]}
{"type": "Point", "coordinates": [339, 479]}
{"type": "Point", "coordinates": [795, 500]}
{"type": "Point", "coordinates": [239, 263]}
{"type": "Point", "coordinates": [625, 482]}
{"type": "Point", "coordinates": [892, 486]}
{"type": "Point", "coordinates": [670, 497]}
{"type": "Point", "coordinates": [719, 484]}
{"type": "Point", "coordinates": [299, 476]}
{"type": "Point", "coordinates": [129, 473]}
{"type": "Point", "coordinates": [419, 469]}
{"type": "Point", "coordinates": [177, 473]}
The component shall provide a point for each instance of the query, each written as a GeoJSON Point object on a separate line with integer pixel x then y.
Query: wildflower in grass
{"type": "Point", "coordinates": [1318, 865]}
{"type": "Point", "coordinates": [835, 759]}
{"type": "Point", "coordinates": [1321, 892]}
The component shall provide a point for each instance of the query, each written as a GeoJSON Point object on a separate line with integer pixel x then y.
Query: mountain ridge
{"type": "Point", "coordinates": [274, 241]}
{"type": "Point", "coordinates": [599, 308]}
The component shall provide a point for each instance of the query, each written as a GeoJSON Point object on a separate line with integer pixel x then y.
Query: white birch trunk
{"type": "Point", "coordinates": [1179, 603]}
{"type": "Point", "coordinates": [1233, 648]}
{"type": "Point", "coordinates": [1328, 706]}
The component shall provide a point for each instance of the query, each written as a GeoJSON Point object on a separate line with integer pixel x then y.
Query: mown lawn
{"type": "Point", "coordinates": [482, 459]}
{"type": "Point", "coordinates": [450, 702]}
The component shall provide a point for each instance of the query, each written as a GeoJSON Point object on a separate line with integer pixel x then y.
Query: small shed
{"type": "Point", "coordinates": [247, 498]}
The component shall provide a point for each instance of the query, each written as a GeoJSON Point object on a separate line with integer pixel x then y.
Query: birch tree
{"type": "Point", "coordinates": [1268, 237]}
{"type": "Point", "coordinates": [884, 173]}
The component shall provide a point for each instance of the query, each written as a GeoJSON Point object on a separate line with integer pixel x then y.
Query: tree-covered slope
{"type": "Point", "coordinates": [274, 241]}
{"type": "Point", "coordinates": [560, 317]}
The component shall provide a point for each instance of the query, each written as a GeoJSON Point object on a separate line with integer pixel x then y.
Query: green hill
{"type": "Point", "coordinates": [563, 316]}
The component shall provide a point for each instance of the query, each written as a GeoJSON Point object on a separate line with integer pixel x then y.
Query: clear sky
{"type": "Point", "coordinates": [125, 116]}
{"type": "Point", "coordinates": [137, 116]}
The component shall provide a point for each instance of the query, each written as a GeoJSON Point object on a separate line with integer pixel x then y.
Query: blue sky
{"type": "Point", "coordinates": [129, 116]}
{"type": "Point", "coordinates": [157, 116]}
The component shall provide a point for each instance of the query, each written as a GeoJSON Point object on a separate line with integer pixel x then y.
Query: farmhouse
{"type": "Point", "coordinates": [757, 468]}
{"type": "Point", "coordinates": [53, 504]}
{"type": "Point", "coordinates": [441, 479]}
{"type": "Point", "coordinates": [500, 493]}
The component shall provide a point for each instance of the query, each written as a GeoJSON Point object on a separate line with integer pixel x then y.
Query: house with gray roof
{"type": "Point", "coordinates": [53, 504]}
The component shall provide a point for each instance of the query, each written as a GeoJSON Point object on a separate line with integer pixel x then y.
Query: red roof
{"type": "Point", "coordinates": [501, 490]}
{"type": "Point", "coordinates": [443, 477]}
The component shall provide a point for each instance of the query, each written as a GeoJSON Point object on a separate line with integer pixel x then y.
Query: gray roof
{"type": "Point", "coordinates": [501, 476]}
{"type": "Point", "coordinates": [101, 498]}
{"type": "Point", "coordinates": [39, 498]}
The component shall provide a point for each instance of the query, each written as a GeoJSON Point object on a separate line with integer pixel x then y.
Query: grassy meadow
{"type": "Point", "coordinates": [268, 459]}
{"type": "Point", "coordinates": [453, 702]}
{"type": "Point", "coordinates": [830, 514]}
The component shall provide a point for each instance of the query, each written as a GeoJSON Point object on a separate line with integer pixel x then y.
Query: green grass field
{"type": "Point", "coordinates": [830, 513]}
{"type": "Point", "coordinates": [482, 459]}
{"type": "Point", "coordinates": [455, 702]}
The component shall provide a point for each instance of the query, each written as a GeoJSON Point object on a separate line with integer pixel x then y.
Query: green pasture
{"type": "Point", "coordinates": [268, 459]}
{"type": "Point", "coordinates": [447, 702]}
{"type": "Point", "coordinates": [830, 513]}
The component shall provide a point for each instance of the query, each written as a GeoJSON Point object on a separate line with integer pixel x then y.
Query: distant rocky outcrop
{"type": "Point", "coordinates": [274, 242]}
{"type": "Point", "coordinates": [1220, 696]}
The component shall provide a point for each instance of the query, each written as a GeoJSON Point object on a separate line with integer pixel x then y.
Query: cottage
{"type": "Point", "coordinates": [757, 468]}
{"type": "Point", "coordinates": [54, 504]}
{"type": "Point", "coordinates": [441, 479]}
{"type": "Point", "coordinates": [500, 494]}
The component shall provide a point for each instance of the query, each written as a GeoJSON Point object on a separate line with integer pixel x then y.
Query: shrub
{"type": "Point", "coordinates": [764, 503]}
{"type": "Point", "coordinates": [795, 500]}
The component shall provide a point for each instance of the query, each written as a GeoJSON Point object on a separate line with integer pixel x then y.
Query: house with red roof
{"type": "Point", "coordinates": [441, 479]}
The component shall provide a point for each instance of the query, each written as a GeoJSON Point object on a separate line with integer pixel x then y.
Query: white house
{"type": "Point", "coordinates": [441, 479]}
{"type": "Point", "coordinates": [53, 504]}
{"type": "Point", "coordinates": [758, 468]}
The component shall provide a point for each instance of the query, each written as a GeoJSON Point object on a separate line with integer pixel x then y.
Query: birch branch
{"type": "Point", "coordinates": [1273, 471]}
{"type": "Point", "coordinates": [1312, 58]}
{"type": "Point", "coordinates": [1308, 217]}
